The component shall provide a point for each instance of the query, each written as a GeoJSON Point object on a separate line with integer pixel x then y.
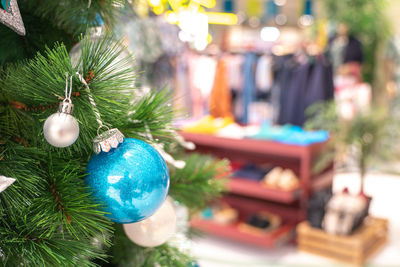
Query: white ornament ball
{"type": "Point", "coordinates": [155, 230]}
{"type": "Point", "coordinates": [61, 129]}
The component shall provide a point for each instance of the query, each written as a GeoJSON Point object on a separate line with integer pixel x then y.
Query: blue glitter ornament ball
{"type": "Point", "coordinates": [132, 180]}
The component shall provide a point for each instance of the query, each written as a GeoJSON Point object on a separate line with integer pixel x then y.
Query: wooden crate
{"type": "Point", "coordinates": [354, 249]}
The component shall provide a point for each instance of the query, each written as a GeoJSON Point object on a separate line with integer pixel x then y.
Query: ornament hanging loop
{"type": "Point", "coordinates": [68, 93]}
{"type": "Point", "coordinates": [66, 105]}
{"type": "Point", "coordinates": [102, 127]}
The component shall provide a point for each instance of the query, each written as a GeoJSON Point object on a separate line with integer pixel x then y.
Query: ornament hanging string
{"type": "Point", "coordinates": [180, 164]}
{"type": "Point", "coordinates": [186, 144]}
{"type": "Point", "coordinates": [68, 93]}
{"type": "Point", "coordinates": [93, 103]}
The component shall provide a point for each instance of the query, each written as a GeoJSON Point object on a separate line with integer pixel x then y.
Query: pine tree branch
{"type": "Point", "coordinates": [40, 233]}
{"type": "Point", "coordinates": [47, 217]}
{"type": "Point", "coordinates": [22, 163]}
{"type": "Point", "coordinates": [152, 112]}
{"type": "Point", "coordinates": [39, 223]}
{"type": "Point", "coordinates": [199, 182]}
{"type": "Point", "coordinates": [74, 16]}
{"type": "Point", "coordinates": [40, 82]}
{"type": "Point", "coordinates": [49, 21]}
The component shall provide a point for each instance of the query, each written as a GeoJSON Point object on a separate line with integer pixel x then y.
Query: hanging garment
{"type": "Point", "coordinates": [220, 101]}
{"type": "Point", "coordinates": [284, 79]}
{"type": "Point", "coordinates": [182, 93]}
{"type": "Point", "coordinates": [249, 87]}
{"type": "Point", "coordinates": [282, 66]}
{"type": "Point", "coordinates": [234, 68]}
{"type": "Point", "coordinates": [320, 86]}
{"type": "Point", "coordinates": [264, 73]}
{"type": "Point", "coordinates": [301, 85]}
{"type": "Point", "coordinates": [234, 65]}
{"type": "Point", "coordinates": [202, 73]}
{"type": "Point", "coordinates": [293, 102]}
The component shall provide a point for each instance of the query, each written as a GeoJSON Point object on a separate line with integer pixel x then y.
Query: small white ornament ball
{"type": "Point", "coordinates": [155, 230]}
{"type": "Point", "coordinates": [61, 129]}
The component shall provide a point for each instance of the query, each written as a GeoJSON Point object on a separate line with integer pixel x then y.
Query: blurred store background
{"type": "Point", "coordinates": [302, 96]}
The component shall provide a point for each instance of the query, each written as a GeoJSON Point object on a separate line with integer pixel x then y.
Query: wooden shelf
{"type": "Point", "coordinates": [275, 238]}
{"type": "Point", "coordinates": [245, 187]}
{"type": "Point", "coordinates": [263, 147]}
{"type": "Point", "coordinates": [249, 197]}
{"type": "Point", "coordinates": [248, 205]}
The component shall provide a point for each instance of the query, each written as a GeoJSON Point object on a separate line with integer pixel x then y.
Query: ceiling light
{"type": "Point", "coordinates": [270, 34]}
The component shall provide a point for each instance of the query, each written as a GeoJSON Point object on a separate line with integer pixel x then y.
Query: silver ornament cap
{"type": "Point", "coordinates": [66, 107]}
{"type": "Point", "coordinates": [107, 140]}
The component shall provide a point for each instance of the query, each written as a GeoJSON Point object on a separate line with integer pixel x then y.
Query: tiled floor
{"type": "Point", "coordinates": [385, 190]}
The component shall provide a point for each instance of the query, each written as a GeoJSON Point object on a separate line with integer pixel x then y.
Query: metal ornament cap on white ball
{"type": "Point", "coordinates": [61, 129]}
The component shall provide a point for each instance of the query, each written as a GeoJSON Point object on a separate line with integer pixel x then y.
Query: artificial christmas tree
{"type": "Point", "coordinates": [49, 216]}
